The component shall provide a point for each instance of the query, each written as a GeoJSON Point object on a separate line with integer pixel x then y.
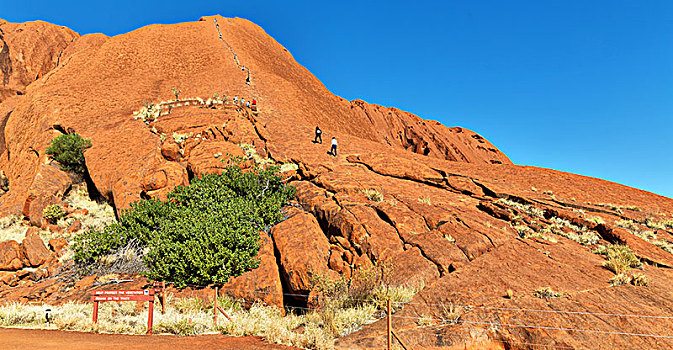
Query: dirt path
{"type": "Point", "coordinates": [35, 339]}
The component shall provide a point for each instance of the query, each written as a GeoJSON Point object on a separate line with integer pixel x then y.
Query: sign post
{"type": "Point", "coordinates": [160, 288]}
{"type": "Point", "coordinates": [124, 295]}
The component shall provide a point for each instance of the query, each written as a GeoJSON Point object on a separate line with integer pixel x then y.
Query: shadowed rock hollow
{"type": "Point", "coordinates": [452, 212]}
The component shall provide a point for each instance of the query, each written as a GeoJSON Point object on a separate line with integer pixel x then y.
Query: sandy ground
{"type": "Point", "coordinates": [23, 339]}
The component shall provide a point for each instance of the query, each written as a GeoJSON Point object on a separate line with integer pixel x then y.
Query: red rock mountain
{"type": "Point", "coordinates": [451, 210]}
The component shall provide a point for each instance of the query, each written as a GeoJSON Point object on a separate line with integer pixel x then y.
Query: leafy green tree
{"type": "Point", "coordinates": [68, 151]}
{"type": "Point", "coordinates": [203, 233]}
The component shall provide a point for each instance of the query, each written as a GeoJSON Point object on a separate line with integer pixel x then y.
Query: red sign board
{"type": "Point", "coordinates": [122, 295]}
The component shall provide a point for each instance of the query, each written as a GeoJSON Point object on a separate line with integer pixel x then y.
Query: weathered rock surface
{"type": "Point", "coordinates": [35, 251]}
{"type": "Point", "coordinates": [11, 256]}
{"type": "Point", "coordinates": [262, 284]}
{"type": "Point", "coordinates": [444, 205]}
{"type": "Point", "coordinates": [303, 250]}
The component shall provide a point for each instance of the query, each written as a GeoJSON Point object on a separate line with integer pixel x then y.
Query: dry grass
{"type": "Point", "coordinates": [100, 213]}
{"type": "Point", "coordinates": [251, 153]}
{"type": "Point", "coordinates": [529, 209]}
{"type": "Point", "coordinates": [639, 279]}
{"type": "Point", "coordinates": [193, 316]}
{"type": "Point", "coordinates": [620, 279]}
{"type": "Point", "coordinates": [12, 228]}
{"type": "Point", "coordinates": [620, 259]}
{"type": "Point", "coordinates": [546, 292]}
{"type": "Point", "coordinates": [373, 195]}
{"type": "Point", "coordinates": [425, 200]}
{"type": "Point", "coordinates": [650, 236]}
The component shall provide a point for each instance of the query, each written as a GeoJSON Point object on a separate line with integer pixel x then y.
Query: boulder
{"type": "Point", "coordinates": [171, 151]}
{"type": "Point", "coordinates": [209, 157]}
{"type": "Point", "coordinates": [12, 257]}
{"type": "Point", "coordinates": [56, 244]}
{"type": "Point", "coordinates": [35, 250]}
{"type": "Point", "coordinates": [303, 250]}
{"type": "Point", "coordinates": [261, 284]}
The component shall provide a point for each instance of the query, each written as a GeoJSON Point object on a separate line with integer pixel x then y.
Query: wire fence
{"type": "Point", "coordinates": [467, 309]}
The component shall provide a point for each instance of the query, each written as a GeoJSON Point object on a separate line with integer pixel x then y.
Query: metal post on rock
{"type": "Point", "coordinates": [388, 322]}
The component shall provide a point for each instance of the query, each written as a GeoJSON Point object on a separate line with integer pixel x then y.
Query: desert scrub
{"type": "Point", "coordinates": [373, 195]}
{"type": "Point", "coordinates": [526, 208]}
{"type": "Point", "coordinates": [53, 213]}
{"type": "Point", "coordinates": [425, 200]}
{"type": "Point", "coordinates": [620, 259]}
{"type": "Point", "coordinates": [251, 153]}
{"type": "Point", "coordinates": [202, 233]}
{"type": "Point", "coordinates": [68, 151]}
{"type": "Point", "coordinates": [639, 279]}
{"type": "Point", "coordinates": [98, 212]}
{"type": "Point", "coordinates": [12, 228]}
{"type": "Point", "coordinates": [546, 292]}
{"type": "Point", "coordinates": [650, 236]}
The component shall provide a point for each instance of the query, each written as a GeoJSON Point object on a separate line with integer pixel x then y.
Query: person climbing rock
{"type": "Point", "coordinates": [318, 135]}
{"type": "Point", "coordinates": [247, 104]}
{"type": "Point", "coordinates": [235, 99]}
{"type": "Point", "coordinates": [254, 102]}
{"type": "Point", "coordinates": [334, 147]}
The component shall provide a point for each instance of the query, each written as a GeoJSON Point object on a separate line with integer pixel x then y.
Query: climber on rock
{"type": "Point", "coordinates": [318, 135]}
{"type": "Point", "coordinates": [334, 147]}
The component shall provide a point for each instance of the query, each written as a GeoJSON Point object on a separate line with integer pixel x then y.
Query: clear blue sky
{"type": "Point", "coordinates": [578, 86]}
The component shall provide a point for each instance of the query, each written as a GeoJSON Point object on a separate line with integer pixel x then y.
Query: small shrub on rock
{"type": "Point", "coordinates": [53, 213]}
{"type": "Point", "coordinates": [68, 151]}
{"type": "Point", "coordinates": [620, 259]}
{"type": "Point", "coordinates": [639, 279]}
{"type": "Point", "coordinates": [546, 292]}
{"type": "Point", "coordinates": [203, 233]}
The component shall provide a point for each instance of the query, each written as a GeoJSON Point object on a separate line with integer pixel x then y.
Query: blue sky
{"type": "Point", "coordinates": [578, 86]}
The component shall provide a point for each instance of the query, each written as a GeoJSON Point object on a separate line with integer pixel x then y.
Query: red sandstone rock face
{"type": "Point", "coordinates": [29, 51]}
{"type": "Point", "coordinates": [11, 256]}
{"type": "Point", "coordinates": [35, 251]}
{"type": "Point", "coordinates": [262, 284]}
{"type": "Point", "coordinates": [406, 190]}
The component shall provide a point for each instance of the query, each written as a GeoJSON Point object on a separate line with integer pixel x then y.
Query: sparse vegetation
{"type": "Point", "coordinates": [251, 153]}
{"type": "Point", "coordinates": [639, 279]}
{"type": "Point", "coordinates": [68, 151]}
{"type": "Point", "coordinates": [546, 292]}
{"type": "Point", "coordinates": [202, 233]}
{"type": "Point", "coordinates": [176, 92]}
{"type": "Point", "coordinates": [179, 138]}
{"type": "Point", "coordinates": [526, 208]}
{"type": "Point", "coordinates": [620, 279]}
{"type": "Point", "coordinates": [620, 259]}
{"type": "Point", "coordinates": [425, 200]}
{"type": "Point", "coordinates": [53, 213]}
{"type": "Point", "coordinates": [373, 195]}
{"type": "Point", "coordinates": [650, 236]}
{"type": "Point", "coordinates": [366, 291]}
{"type": "Point", "coordinates": [451, 314]}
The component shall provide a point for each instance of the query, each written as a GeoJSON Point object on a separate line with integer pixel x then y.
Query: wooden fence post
{"type": "Point", "coordinates": [163, 297]}
{"type": "Point", "coordinates": [215, 309]}
{"type": "Point", "coordinates": [388, 333]}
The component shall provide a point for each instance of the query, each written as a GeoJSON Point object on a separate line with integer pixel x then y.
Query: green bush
{"type": "Point", "coordinates": [53, 213]}
{"type": "Point", "coordinates": [203, 233]}
{"type": "Point", "coordinates": [68, 150]}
